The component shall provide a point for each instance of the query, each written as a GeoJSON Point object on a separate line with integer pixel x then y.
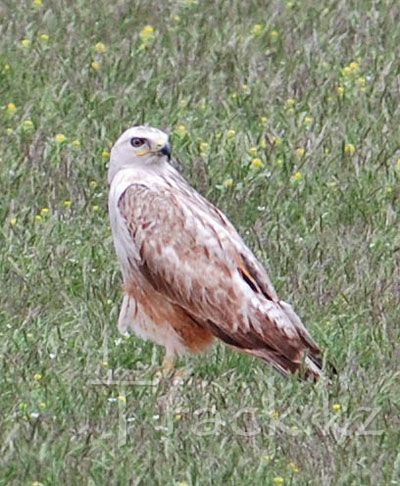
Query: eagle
{"type": "Point", "coordinates": [188, 277]}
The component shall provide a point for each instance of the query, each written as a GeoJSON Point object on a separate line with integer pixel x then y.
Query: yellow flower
{"type": "Point", "coordinates": [264, 121]}
{"type": "Point", "coordinates": [9, 131]}
{"type": "Point", "coordinates": [11, 108]}
{"type": "Point", "coordinates": [92, 184]}
{"type": "Point", "coordinates": [105, 364]}
{"type": "Point", "coordinates": [297, 176]}
{"type": "Point", "coordinates": [336, 407]}
{"type": "Point", "coordinates": [105, 154]}
{"type": "Point", "coordinates": [181, 130]}
{"type": "Point", "coordinates": [44, 37]}
{"type": "Point", "coordinates": [37, 377]}
{"type": "Point", "coordinates": [147, 34]}
{"type": "Point", "coordinates": [76, 144]}
{"type": "Point", "coordinates": [279, 162]}
{"type": "Point", "coordinates": [36, 483]}
{"type": "Point", "coordinates": [389, 190]}
{"type": "Point", "coordinates": [231, 134]}
{"type": "Point", "coordinates": [300, 152]}
{"type": "Point", "coordinates": [276, 414]}
{"type": "Point", "coordinates": [308, 121]}
{"type": "Point", "coordinates": [293, 467]}
{"type": "Point", "coordinates": [278, 480]}
{"type": "Point", "coordinates": [42, 405]}
{"type": "Point", "coordinates": [26, 43]}
{"type": "Point", "coordinates": [245, 89]}
{"type": "Point", "coordinates": [253, 151]}
{"type": "Point", "coordinates": [182, 483]}
{"type": "Point", "coordinates": [278, 141]}
{"type": "Point", "coordinates": [100, 48]}
{"type": "Point", "coordinates": [6, 67]}
{"type": "Point", "coordinates": [96, 66]}
{"type": "Point", "coordinates": [67, 203]}
{"type": "Point", "coordinates": [37, 3]}
{"type": "Point", "coordinates": [13, 221]}
{"type": "Point", "coordinates": [228, 183]}
{"type": "Point", "coordinates": [340, 90]}
{"type": "Point", "coordinates": [60, 138]}
{"type": "Point", "coordinates": [274, 35]}
{"type": "Point", "coordinates": [121, 398]}
{"type": "Point", "coordinates": [95, 208]}
{"type": "Point", "coordinates": [349, 149]}
{"type": "Point", "coordinates": [290, 103]}
{"type": "Point", "coordinates": [27, 125]}
{"type": "Point", "coordinates": [38, 218]}
{"type": "Point", "coordinates": [204, 147]}
{"type": "Point", "coordinates": [257, 164]}
{"type": "Point", "coordinates": [176, 18]}
{"type": "Point", "coordinates": [362, 83]}
{"type": "Point", "coordinates": [257, 30]}
{"type": "Point", "coordinates": [44, 212]}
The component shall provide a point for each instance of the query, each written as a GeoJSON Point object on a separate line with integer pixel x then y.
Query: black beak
{"type": "Point", "coordinates": [166, 150]}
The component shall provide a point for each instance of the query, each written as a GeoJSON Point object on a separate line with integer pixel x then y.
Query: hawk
{"type": "Point", "coordinates": [188, 276]}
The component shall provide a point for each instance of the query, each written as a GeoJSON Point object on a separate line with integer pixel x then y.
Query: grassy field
{"type": "Point", "coordinates": [286, 115]}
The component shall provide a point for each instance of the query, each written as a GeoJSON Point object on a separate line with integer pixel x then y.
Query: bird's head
{"type": "Point", "coordinates": [139, 146]}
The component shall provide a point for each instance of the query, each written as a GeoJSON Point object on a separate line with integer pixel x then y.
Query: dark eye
{"type": "Point", "coordinates": [137, 142]}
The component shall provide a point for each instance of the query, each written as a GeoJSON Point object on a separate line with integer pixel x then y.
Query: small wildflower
{"type": "Point", "coordinates": [290, 103]}
{"type": "Point", "coordinates": [27, 125]}
{"type": "Point", "coordinates": [105, 364]}
{"type": "Point", "coordinates": [233, 95]}
{"type": "Point", "coordinates": [276, 414]}
{"type": "Point", "coordinates": [121, 398]}
{"type": "Point", "coordinates": [181, 130]}
{"type": "Point", "coordinates": [13, 221]}
{"type": "Point", "coordinates": [274, 35]}
{"type": "Point", "coordinates": [297, 176]}
{"type": "Point", "coordinates": [11, 108]}
{"type": "Point", "coordinates": [44, 37]}
{"type": "Point", "coordinates": [178, 417]}
{"type": "Point", "coordinates": [228, 183]}
{"type": "Point", "coordinates": [352, 69]}
{"type": "Point", "coordinates": [264, 121]}
{"type": "Point", "coordinates": [76, 144]}
{"type": "Point", "coordinates": [44, 212]}
{"type": "Point", "coordinates": [38, 218]}
{"type": "Point", "coordinates": [340, 91]}
{"type": "Point", "coordinates": [36, 483]}
{"type": "Point", "coordinates": [93, 185]}
{"type": "Point", "coordinates": [96, 66]}
{"type": "Point", "coordinates": [105, 154]}
{"type": "Point", "coordinates": [100, 48]}
{"type": "Point", "coordinates": [245, 89]}
{"type": "Point", "coordinates": [257, 30]}
{"type": "Point", "coordinates": [349, 149]}
{"type": "Point", "coordinates": [389, 190]}
{"type": "Point", "coordinates": [147, 35]}
{"type": "Point", "coordinates": [95, 208]}
{"type": "Point", "coordinates": [308, 121]}
{"type": "Point", "coordinates": [279, 162]}
{"type": "Point", "coordinates": [67, 204]}
{"type": "Point", "coordinates": [231, 134]}
{"type": "Point", "coordinates": [253, 151]}
{"type": "Point", "coordinates": [293, 467]}
{"type": "Point", "coordinates": [204, 147]}
{"type": "Point", "coordinates": [176, 19]}
{"type": "Point", "coordinates": [37, 377]}
{"type": "Point", "coordinates": [257, 164]}
{"type": "Point", "coordinates": [43, 405]}
{"type": "Point", "coordinates": [336, 407]}
{"type": "Point", "coordinates": [23, 406]}
{"type": "Point", "coordinates": [300, 152]}
{"type": "Point", "coordinates": [26, 43]}
{"type": "Point", "coordinates": [263, 143]}
{"type": "Point", "coordinates": [60, 138]}
{"type": "Point", "coordinates": [6, 68]}
{"type": "Point", "coordinates": [278, 480]}
{"type": "Point", "coordinates": [277, 141]}
{"type": "Point", "coordinates": [9, 131]}
{"type": "Point", "coordinates": [37, 3]}
{"type": "Point", "coordinates": [361, 82]}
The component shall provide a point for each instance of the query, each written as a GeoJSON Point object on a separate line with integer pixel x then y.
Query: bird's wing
{"type": "Point", "coordinates": [191, 254]}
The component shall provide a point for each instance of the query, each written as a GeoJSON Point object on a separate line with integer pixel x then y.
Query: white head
{"type": "Point", "coordinates": [139, 146]}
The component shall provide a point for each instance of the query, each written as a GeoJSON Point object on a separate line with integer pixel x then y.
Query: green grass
{"type": "Point", "coordinates": [325, 221]}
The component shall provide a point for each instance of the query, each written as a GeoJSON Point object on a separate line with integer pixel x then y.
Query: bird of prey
{"type": "Point", "coordinates": [188, 276]}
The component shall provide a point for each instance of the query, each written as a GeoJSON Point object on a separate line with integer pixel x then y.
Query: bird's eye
{"type": "Point", "coordinates": [137, 142]}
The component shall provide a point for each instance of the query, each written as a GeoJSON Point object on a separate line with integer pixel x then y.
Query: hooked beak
{"type": "Point", "coordinates": [166, 150]}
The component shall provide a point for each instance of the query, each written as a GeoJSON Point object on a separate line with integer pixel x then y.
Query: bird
{"type": "Point", "coordinates": [189, 279]}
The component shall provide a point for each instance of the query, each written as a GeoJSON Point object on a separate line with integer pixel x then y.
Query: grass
{"type": "Point", "coordinates": [311, 90]}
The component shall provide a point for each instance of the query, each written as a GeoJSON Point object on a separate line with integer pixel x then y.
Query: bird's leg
{"type": "Point", "coordinates": [168, 364]}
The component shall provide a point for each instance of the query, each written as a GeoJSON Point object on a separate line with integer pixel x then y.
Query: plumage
{"type": "Point", "coordinates": [188, 275]}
